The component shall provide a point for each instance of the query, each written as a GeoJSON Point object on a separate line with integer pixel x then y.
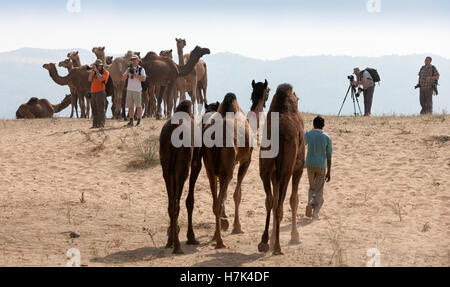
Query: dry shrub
{"type": "Point", "coordinates": [98, 143]}
{"type": "Point", "coordinates": [146, 152]}
{"type": "Point", "coordinates": [335, 235]}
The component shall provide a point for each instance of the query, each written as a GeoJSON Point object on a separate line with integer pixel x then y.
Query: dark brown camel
{"type": "Point", "coordinates": [175, 164]}
{"type": "Point", "coordinates": [162, 71]}
{"type": "Point", "coordinates": [289, 162]}
{"type": "Point", "coordinates": [220, 162]}
{"type": "Point", "coordinates": [41, 108]}
{"type": "Point", "coordinates": [196, 167]}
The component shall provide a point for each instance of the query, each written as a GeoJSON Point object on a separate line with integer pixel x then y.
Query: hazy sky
{"type": "Point", "coordinates": [256, 28]}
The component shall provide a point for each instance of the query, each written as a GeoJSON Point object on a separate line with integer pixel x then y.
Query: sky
{"type": "Point", "coordinates": [262, 29]}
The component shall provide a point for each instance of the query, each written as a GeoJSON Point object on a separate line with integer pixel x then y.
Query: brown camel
{"type": "Point", "coordinates": [289, 162]}
{"type": "Point", "coordinates": [196, 167]}
{"type": "Point", "coordinates": [84, 102]}
{"type": "Point", "coordinates": [196, 81]}
{"type": "Point", "coordinates": [162, 71]}
{"type": "Point", "coordinates": [41, 108]}
{"type": "Point", "coordinates": [175, 164]}
{"type": "Point", "coordinates": [116, 70]}
{"type": "Point", "coordinates": [109, 60]}
{"type": "Point", "coordinates": [77, 80]}
{"type": "Point", "coordinates": [67, 63]}
{"type": "Point", "coordinates": [220, 162]}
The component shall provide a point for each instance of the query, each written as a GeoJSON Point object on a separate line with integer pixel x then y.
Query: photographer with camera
{"type": "Point", "coordinates": [428, 81]}
{"type": "Point", "coordinates": [136, 76]}
{"type": "Point", "coordinates": [363, 78]}
{"type": "Point", "coordinates": [99, 78]}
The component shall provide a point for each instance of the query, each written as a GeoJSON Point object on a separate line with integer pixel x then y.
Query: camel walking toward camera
{"type": "Point", "coordinates": [259, 97]}
{"type": "Point", "coordinates": [196, 81]}
{"type": "Point", "coordinates": [162, 71]}
{"type": "Point", "coordinates": [41, 108]}
{"type": "Point", "coordinates": [220, 161]}
{"type": "Point", "coordinates": [278, 170]}
{"type": "Point", "coordinates": [175, 164]}
{"type": "Point", "coordinates": [196, 167]}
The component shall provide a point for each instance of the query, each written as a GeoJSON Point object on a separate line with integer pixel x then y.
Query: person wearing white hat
{"type": "Point", "coordinates": [135, 75]}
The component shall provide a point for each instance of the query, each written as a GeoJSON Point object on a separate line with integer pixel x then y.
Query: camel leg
{"type": "Point", "coordinates": [263, 246]}
{"type": "Point", "coordinates": [199, 99]}
{"type": "Point", "coordinates": [196, 167]}
{"type": "Point", "coordinates": [213, 184]}
{"type": "Point", "coordinates": [170, 96]}
{"type": "Point", "coordinates": [243, 167]}
{"type": "Point", "coordinates": [159, 97]}
{"type": "Point", "coordinates": [295, 239]}
{"type": "Point", "coordinates": [152, 100]}
{"type": "Point", "coordinates": [175, 228]}
{"type": "Point", "coordinates": [279, 200]}
{"type": "Point", "coordinates": [224, 224]}
{"type": "Point", "coordinates": [88, 108]}
{"type": "Point", "coordinates": [224, 182]}
{"type": "Point", "coordinates": [82, 106]}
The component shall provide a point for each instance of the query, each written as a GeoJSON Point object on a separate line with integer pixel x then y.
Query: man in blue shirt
{"type": "Point", "coordinates": [318, 164]}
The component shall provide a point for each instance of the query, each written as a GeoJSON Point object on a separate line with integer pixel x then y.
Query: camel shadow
{"type": "Point", "coordinates": [224, 259]}
{"type": "Point", "coordinates": [300, 223]}
{"type": "Point", "coordinates": [145, 254]}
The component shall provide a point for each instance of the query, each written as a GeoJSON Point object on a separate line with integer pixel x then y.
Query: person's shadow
{"type": "Point", "coordinates": [226, 259]}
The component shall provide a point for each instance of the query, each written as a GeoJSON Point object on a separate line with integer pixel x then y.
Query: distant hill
{"type": "Point", "coordinates": [320, 81]}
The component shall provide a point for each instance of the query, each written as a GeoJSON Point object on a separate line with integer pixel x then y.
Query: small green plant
{"type": "Point", "coordinates": [146, 151]}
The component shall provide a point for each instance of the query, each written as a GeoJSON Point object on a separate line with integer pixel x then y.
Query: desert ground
{"type": "Point", "coordinates": [390, 190]}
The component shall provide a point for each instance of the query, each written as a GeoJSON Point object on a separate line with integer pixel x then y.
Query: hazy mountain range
{"type": "Point", "coordinates": [320, 81]}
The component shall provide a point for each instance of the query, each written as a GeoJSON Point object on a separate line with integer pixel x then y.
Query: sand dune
{"type": "Point", "coordinates": [381, 165]}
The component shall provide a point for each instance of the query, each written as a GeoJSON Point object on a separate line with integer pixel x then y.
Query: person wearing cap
{"type": "Point", "coordinates": [135, 75]}
{"type": "Point", "coordinates": [365, 79]}
{"type": "Point", "coordinates": [98, 77]}
{"type": "Point", "coordinates": [318, 165]}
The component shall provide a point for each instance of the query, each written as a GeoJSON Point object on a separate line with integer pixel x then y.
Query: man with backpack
{"type": "Point", "coordinates": [428, 77]}
{"type": "Point", "coordinates": [367, 80]}
{"type": "Point", "coordinates": [136, 76]}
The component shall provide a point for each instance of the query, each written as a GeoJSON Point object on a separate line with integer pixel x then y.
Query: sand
{"type": "Point", "coordinates": [381, 165]}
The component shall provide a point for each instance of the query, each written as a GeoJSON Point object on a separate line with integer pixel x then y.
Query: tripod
{"type": "Point", "coordinates": [354, 98]}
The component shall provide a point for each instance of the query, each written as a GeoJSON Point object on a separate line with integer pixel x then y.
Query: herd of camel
{"type": "Point", "coordinates": [166, 82]}
{"type": "Point", "coordinates": [179, 163]}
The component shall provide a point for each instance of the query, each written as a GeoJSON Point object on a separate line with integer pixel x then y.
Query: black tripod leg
{"type": "Point", "coordinates": [345, 98]}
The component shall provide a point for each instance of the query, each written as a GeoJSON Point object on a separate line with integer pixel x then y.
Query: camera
{"type": "Point", "coordinates": [360, 90]}
{"type": "Point", "coordinates": [132, 71]}
{"type": "Point", "coordinates": [351, 78]}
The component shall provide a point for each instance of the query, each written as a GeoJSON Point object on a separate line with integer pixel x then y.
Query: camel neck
{"type": "Point", "coordinates": [180, 57]}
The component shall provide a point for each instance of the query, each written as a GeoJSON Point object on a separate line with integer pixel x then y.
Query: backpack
{"type": "Point", "coordinates": [145, 83]}
{"type": "Point", "coordinates": [373, 74]}
{"type": "Point", "coordinates": [109, 87]}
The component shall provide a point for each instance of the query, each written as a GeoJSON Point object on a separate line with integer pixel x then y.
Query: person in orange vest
{"type": "Point", "coordinates": [98, 77]}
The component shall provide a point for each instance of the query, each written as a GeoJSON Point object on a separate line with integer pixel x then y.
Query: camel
{"type": "Point", "coordinates": [289, 162]}
{"type": "Point", "coordinates": [77, 79]}
{"type": "Point", "coordinates": [67, 63]}
{"type": "Point", "coordinates": [196, 81]}
{"type": "Point", "coordinates": [109, 60]}
{"type": "Point", "coordinates": [196, 167]}
{"type": "Point", "coordinates": [162, 71]}
{"type": "Point", "coordinates": [175, 164]}
{"type": "Point", "coordinates": [41, 108]}
{"type": "Point", "coordinates": [116, 70]}
{"type": "Point", "coordinates": [84, 107]}
{"type": "Point", "coordinates": [259, 97]}
{"type": "Point", "coordinates": [221, 161]}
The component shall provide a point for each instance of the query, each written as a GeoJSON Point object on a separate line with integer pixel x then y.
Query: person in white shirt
{"type": "Point", "coordinates": [365, 79]}
{"type": "Point", "coordinates": [135, 75]}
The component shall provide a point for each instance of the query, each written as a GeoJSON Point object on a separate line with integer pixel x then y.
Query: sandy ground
{"type": "Point", "coordinates": [381, 165]}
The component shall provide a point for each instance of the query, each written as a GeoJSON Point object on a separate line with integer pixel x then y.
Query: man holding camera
{"type": "Point", "coordinates": [98, 77]}
{"type": "Point", "coordinates": [365, 79]}
{"type": "Point", "coordinates": [428, 77]}
{"type": "Point", "coordinates": [136, 75]}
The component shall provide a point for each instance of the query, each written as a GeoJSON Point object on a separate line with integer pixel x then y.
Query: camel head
{"type": "Point", "coordinates": [260, 93]}
{"type": "Point", "coordinates": [181, 43]}
{"type": "Point", "coordinates": [99, 52]}
{"type": "Point", "coordinates": [211, 108]}
{"type": "Point", "coordinates": [199, 52]}
{"type": "Point", "coordinates": [185, 106]}
{"type": "Point", "coordinates": [67, 63]}
{"type": "Point", "coordinates": [109, 60]}
{"type": "Point", "coordinates": [49, 67]}
{"type": "Point", "coordinates": [166, 53]}
{"type": "Point", "coordinates": [72, 55]}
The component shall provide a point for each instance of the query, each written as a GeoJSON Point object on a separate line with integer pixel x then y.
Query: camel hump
{"type": "Point", "coordinates": [33, 101]}
{"type": "Point", "coordinates": [152, 56]}
{"type": "Point", "coordinates": [184, 106]}
{"type": "Point", "coordinates": [228, 105]}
